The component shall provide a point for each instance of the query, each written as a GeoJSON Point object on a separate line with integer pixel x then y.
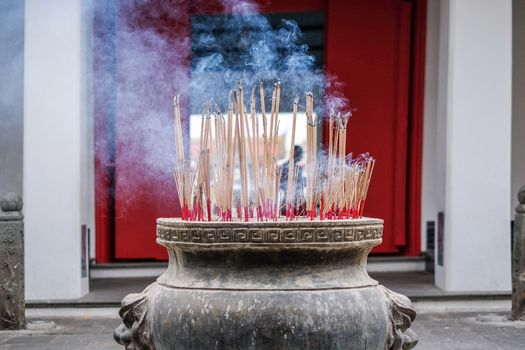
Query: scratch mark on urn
{"type": "Point", "coordinates": [227, 314]}
{"type": "Point", "coordinates": [206, 308]}
{"type": "Point", "coordinates": [240, 304]}
{"type": "Point", "coordinates": [305, 282]}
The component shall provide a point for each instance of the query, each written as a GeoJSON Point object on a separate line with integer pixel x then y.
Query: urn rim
{"type": "Point", "coordinates": [302, 232]}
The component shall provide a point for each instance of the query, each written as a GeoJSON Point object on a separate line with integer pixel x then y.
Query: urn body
{"type": "Point", "coordinates": [267, 285]}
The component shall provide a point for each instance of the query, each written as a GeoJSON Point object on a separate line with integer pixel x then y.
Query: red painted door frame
{"type": "Point", "coordinates": [105, 109]}
{"type": "Point", "coordinates": [415, 128]}
{"type": "Point", "coordinates": [104, 60]}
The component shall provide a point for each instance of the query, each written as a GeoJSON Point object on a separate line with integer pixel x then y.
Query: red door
{"type": "Point", "coordinates": [370, 45]}
{"type": "Point", "coordinates": [369, 48]}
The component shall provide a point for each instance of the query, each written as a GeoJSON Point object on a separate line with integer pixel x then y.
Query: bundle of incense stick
{"type": "Point", "coordinates": [193, 183]}
{"type": "Point", "coordinates": [245, 142]}
{"type": "Point", "coordinates": [346, 180]}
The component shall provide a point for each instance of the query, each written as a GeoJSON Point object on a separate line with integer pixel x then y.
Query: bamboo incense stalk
{"type": "Point", "coordinates": [274, 165]}
{"type": "Point", "coordinates": [255, 153]}
{"type": "Point", "coordinates": [290, 187]}
{"type": "Point", "coordinates": [272, 122]}
{"type": "Point", "coordinates": [369, 171]}
{"type": "Point", "coordinates": [244, 177]}
{"type": "Point", "coordinates": [330, 137]}
{"type": "Point", "coordinates": [206, 164]}
{"type": "Point", "coordinates": [231, 157]}
{"type": "Point", "coordinates": [263, 113]}
{"type": "Point", "coordinates": [242, 149]}
{"type": "Point", "coordinates": [310, 157]}
{"type": "Point", "coordinates": [277, 104]}
{"type": "Point", "coordinates": [178, 130]}
{"type": "Point", "coordinates": [217, 157]}
{"type": "Point", "coordinates": [278, 173]}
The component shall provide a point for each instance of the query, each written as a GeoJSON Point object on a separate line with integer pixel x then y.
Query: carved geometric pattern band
{"type": "Point", "coordinates": [270, 234]}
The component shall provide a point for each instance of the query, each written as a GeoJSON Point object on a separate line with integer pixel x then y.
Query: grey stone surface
{"type": "Point", "coordinates": [12, 304]}
{"type": "Point", "coordinates": [267, 285]}
{"type": "Point", "coordinates": [518, 259]}
{"type": "Point", "coordinates": [442, 331]}
{"type": "Point", "coordinates": [70, 334]}
{"type": "Point", "coordinates": [11, 202]}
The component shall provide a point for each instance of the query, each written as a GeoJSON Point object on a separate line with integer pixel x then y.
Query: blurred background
{"type": "Point", "coordinates": [86, 95]}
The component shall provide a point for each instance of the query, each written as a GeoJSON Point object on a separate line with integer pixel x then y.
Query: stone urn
{"type": "Point", "coordinates": [267, 285]}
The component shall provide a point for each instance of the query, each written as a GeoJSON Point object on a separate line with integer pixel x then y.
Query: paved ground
{"type": "Point", "coordinates": [443, 331]}
{"type": "Point", "coordinates": [69, 334]}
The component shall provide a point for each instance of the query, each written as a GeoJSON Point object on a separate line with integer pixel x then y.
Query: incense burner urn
{"type": "Point", "coordinates": [267, 285]}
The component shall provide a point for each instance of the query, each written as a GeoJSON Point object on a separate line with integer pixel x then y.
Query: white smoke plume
{"type": "Point", "coordinates": [145, 52]}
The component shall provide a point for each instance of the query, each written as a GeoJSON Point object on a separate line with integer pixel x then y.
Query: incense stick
{"type": "Point", "coordinates": [339, 187]}
{"type": "Point", "coordinates": [290, 187]}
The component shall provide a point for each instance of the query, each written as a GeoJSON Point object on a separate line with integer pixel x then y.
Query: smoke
{"type": "Point", "coordinates": [139, 65]}
{"type": "Point", "coordinates": [147, 51]}
{"type": "Point", "coordinates": [244, 46]}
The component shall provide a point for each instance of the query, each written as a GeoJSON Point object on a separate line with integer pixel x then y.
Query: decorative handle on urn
{"type": "Point", "coordinates": [134, 332]}
{"type": "Point", "coordinates": [402, 314]}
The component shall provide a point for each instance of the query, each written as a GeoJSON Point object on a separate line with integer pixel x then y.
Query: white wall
{"type": "Point", "coordinates": [55, 156]}
{"type": "Point", "coordinates": [431, 170]}
{"type": "Point", "coordinates": [474, 122]}
{"type": "Point", "coordinates": [441, 130]}
{"type": "Point", "coordinates": [88, 190]}
{"type": "Point", "coordinates": [518, 100]}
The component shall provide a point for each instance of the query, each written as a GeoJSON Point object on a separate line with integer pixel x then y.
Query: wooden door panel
{"type": "Point", "coordinates": [368, 48]}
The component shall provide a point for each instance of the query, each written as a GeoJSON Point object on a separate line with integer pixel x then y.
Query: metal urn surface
{"type": "Point", "coordinates": [267, 285]}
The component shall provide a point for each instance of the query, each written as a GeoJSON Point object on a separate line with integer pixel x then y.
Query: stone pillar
{"type": "Point", "coordinates": [12, 97]}
{"type": "Point", "coordinates": [518, 260]}
{"type": "Point", "coordinates": [12, 302]}
{"type": "Point", "coordinates": [518, 102]}
{"type": "Point", "coordinates": [474, 112]}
